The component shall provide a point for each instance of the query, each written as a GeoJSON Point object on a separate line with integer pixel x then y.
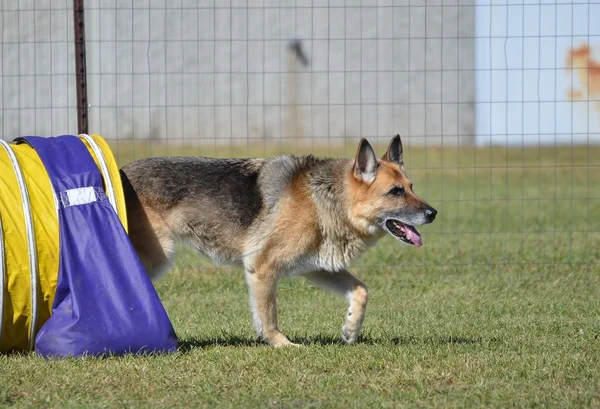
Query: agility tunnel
{"type": "Point", "coordinates": [71, 283]}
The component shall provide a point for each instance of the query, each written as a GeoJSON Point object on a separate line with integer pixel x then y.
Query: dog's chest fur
{"type": "Point", "coordinates": [333, 254]}
{"type": "Point", "coordinates": [323, 238]}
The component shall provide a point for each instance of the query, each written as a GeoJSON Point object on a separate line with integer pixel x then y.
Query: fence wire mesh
{"type": "Point", "coordinates": [497, 102]}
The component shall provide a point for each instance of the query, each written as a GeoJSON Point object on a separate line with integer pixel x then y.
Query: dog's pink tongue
{"type": "Point", "coordinates": [413, 235]}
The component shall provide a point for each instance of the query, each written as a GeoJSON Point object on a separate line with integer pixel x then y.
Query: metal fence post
{"type": "Point", "coordinates": [80, 66]}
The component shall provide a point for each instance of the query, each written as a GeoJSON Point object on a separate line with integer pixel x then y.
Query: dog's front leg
{"type": "Point", "coordinates": [353, 290]}
{"type": "Point", "coordinates": [262, 287]}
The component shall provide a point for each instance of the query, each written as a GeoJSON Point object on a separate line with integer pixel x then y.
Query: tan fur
{"type": "Point", "coordinates": [150, 236]}
{"type": "Point", "coordinates": [294, 231]}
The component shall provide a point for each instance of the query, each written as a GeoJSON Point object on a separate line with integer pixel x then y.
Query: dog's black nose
{"type": "Point", "coordinates": [430, 213]}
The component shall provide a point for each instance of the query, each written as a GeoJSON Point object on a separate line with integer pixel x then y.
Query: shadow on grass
{"type": "Point", "coordinates": [186, 345]}
{"type": "Point", "coordinates": [189, 344]}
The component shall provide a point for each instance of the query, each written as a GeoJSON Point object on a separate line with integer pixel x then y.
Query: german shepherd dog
{"type": "Point", "coordinates": [278, 217]}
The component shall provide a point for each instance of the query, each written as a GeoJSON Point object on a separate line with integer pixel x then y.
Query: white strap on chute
{"type": "Point", "coordinates": [81, 196]}
{"type": "Point", "coordinates": [110, 191]}
{"type": "Point", "coordinates": [33, 264]}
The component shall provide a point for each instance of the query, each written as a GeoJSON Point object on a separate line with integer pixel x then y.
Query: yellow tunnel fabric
{"type": "Point", "coordinates": [17, 312]}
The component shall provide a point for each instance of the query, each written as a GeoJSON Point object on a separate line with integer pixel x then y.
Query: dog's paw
{"type": "Point", "coordinates": [289, 344]}
{"type": "Point", "coordinates": [278, 340]}
{"type": "Point", "coordinates": [349, 335]}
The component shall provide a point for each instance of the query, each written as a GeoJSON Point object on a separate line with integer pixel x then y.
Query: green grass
{"type": "Point", "coordinates": [500, 308]}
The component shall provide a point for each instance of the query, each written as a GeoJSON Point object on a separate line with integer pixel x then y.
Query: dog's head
{"type": "Point", "coordinates": [382, 195]}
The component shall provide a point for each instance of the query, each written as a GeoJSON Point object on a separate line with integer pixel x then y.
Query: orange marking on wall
{"type": "Point", "coordinates": [586, 70]}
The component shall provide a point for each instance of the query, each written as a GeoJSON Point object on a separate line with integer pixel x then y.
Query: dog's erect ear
{"type": "Point", "coordinates": [365, 163]}
{"type": "Point", "coordinates": [394, 152]}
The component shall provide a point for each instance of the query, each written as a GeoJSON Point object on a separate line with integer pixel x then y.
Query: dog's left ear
{"type": "Point", "coordinates": [365, 162]}
{"type": "Point", "coordinates": [394, 152]}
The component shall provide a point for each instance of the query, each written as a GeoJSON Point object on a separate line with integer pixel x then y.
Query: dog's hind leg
{"type": "Point", "coordinates": [150, 236]}
{"type": "Point", "coordinates": [153, 242]}
{"type": "Point", "coordinates": [353, 290]}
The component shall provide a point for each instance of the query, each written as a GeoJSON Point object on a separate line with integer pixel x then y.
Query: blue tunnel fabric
{"type": "Point", "coordinates": [104, 302]}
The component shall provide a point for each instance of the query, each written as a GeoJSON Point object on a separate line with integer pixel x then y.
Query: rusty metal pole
{"type": "Point", "coordinates": [80, 66]}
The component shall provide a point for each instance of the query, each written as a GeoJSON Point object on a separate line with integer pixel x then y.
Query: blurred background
{"type": "Point", "coordinates": [497, 102]}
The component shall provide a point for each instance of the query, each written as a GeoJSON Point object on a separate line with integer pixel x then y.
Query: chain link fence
{"type": "Point", "coordinates": [497, 102]}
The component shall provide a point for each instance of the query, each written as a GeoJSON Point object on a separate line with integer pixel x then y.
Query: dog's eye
{"type": "Point", "coordinates": [397, 191]}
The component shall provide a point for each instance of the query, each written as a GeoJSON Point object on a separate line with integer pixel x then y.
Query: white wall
{"type": "Point", "coordinates": [37, 68]}
{"type": "Point", "coordinates": [206, 70]}
{"type": "Point", "coordinates": [532, 70]}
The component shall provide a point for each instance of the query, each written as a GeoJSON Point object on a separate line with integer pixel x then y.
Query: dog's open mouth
{"type": "Point", "coordinates": [404, 232]}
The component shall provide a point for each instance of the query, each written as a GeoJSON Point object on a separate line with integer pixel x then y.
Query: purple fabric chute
{"type": "Point", "coordinates": [105, 303]}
